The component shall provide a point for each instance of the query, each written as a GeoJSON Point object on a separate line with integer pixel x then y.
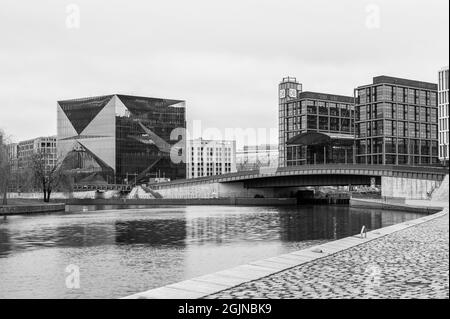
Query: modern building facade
{"type": "Point", "coordinates": [253, 157]}
{"type": "Point", "coordinates": [121, 139]}
{"type": "Point", "coordinates": [443, 118]}
{"type": "Point", "coordinates": [397, 122]}
{"type": "Point", "coordinates": [20, 159]}
{"type": "Point", "coordinates": [315, 128]}
{"type": "Point", "coordinates": [288, 90]}
{"type": "Point", "coordinates": [210, 157]}
{"type": "Point", "coordinates": [26, 149]}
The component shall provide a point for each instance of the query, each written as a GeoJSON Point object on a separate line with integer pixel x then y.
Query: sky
{"type": "Point", "coordinates": [225, 58]}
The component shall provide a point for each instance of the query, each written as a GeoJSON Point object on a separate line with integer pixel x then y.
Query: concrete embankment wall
{"type": "Point", "coordinates": [441, 194]}
{"type": "Point", "coordinates": [188, 201]}
{"type": "Point", "coordinates": [214, 190]}
{"type": "Point", "coordinates": [407, 188]}
{"type": "Point", "coordinates": [63, 196]}
{"type": "Point", "coordinates": [396, 206]}
{"type": "Point", "coordinates": [31, 209]}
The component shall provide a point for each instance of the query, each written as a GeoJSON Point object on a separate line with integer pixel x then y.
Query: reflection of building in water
{"type": "Point", "coordinates": [254, 157]}
{"type": "Point", "coordinates": [82, 235]}
{"type": "Point", "coordinates": [5, 242]}
{"type": "Point", "coordinates": [327, 222]}
{"type": "Point", "coordinates": [225, 229]}
{"type": "Point", "coordinates": [288, 224]}
{"type": "Point", "coordinates": [152, 232]}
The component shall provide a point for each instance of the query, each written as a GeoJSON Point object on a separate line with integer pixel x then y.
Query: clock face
{"type": "Point", "coordinates": [293, 93]}
{"type": "Point", "coordinates": [282, 94]}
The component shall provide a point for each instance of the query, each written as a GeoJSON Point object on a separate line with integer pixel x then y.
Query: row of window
{"type": "Point", "coordinates": [396, 111]}
{"type": "Point", "coordinates": [397, 160]}
{"type": "Point", "coordinates": [329, 124]}
{"type": "Point", "coordinates": [396, 94]}
{"type": "Point", "coordinates": [317, 108]}
{"type": "Point", "coordinates": [391, 145]}
{"type": "Point", "coordinates": [396, 128]}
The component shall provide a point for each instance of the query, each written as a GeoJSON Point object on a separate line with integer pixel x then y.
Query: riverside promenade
{"type": "Point", "coordinates": [407, 260]}
{"type": "Point", "coordinates": [410, 263]}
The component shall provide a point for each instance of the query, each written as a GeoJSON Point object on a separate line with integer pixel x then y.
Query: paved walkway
{"type": "Point", "coordinates": [411, 263]}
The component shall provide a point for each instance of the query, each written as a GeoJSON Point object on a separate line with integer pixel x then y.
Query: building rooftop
{"type": "Point", "coordinates": [100, 101]}
{"type": "Point", "coordinates": [326, 97]}
{"type": "Point", "coordinates": [289, 79]}
{"type": "Point", "coordinates": [383, 79]}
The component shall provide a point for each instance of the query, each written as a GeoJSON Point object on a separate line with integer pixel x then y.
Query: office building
{"type": "Point", "coordinates": [210, 157]}
{"type": "Point", "coordinates": [253, 157]}
{"type": "Point", "coordinates": [26, 149]}
{"type": "Point", "coordinates": [397, 122]}
{"type": "Point", "coordinates": [443, 119]}
{"type": "Point", "coordinates": [20, 156]}
{"type": "Point", "coordinates": [314, 128]}
{"type": "Point", "coordinates": [121, 139]}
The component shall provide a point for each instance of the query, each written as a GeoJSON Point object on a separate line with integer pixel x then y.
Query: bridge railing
{"type": "Point", "coordinates": [281, 171]}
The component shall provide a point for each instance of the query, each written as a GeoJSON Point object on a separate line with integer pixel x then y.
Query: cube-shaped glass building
{"type": "Point", "coordinates": [121, 139]}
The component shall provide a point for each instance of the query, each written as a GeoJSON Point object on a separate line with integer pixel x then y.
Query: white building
{"type": "Point", "coordinates": [443, 115]}
{"type": "Point", "coordinates": [256, 156]}
{"type": "Point", "coordinates": [210, 157]}
{"type": "Point", "coordinates": [26, 149]}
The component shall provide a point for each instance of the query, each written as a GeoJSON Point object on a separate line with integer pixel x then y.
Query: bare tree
{"type": "Point", "coordinates": [47, 175]}
{"type": "Point", "coordinates": [5, 168]}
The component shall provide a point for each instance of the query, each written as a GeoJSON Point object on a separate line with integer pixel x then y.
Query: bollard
{"type": "Point", "coordinates": [363, 232]}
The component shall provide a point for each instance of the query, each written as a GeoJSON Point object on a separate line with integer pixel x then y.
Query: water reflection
{"type": "Point", "coordinates": [122, 251]}
{"type": "Point", "coordinates": [151, 232]}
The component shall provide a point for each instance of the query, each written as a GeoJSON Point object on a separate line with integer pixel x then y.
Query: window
{"type": "Point", "coordinates": [312, 122]}
{"type": "Point", "coordinates": [312, 109]}
{"type": "Point", "coordinates": [390, 145]}
{"type": "Point", "coordinates": [323, 123]}
{"type": "Point", "coordinates": [334, 124]}
{"type": "Point", "coordinates": [322, 108]}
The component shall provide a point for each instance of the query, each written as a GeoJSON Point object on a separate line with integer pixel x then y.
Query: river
{"type": "Point", "coordinates": [124, 250]}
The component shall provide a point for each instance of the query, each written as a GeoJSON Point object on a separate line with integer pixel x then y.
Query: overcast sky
{"type": "Point", "coordinates": [225, 58]}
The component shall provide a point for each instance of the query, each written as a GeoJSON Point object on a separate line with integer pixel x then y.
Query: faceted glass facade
{"type": "Point", "coordinates": [119, 139]}
{"type": "Point", "coordinates": [396, 122]}
{"type": "Point", "coordinates": [332, 115]}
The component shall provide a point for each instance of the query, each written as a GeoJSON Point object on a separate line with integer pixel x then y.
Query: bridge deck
{"type": "Point", "coordinates": [414, 172]}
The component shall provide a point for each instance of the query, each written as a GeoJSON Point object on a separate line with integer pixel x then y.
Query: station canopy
{"type": "Point", "coordinates": [317, 138]}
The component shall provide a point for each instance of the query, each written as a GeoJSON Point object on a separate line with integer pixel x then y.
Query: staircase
{"type": "Point", "coordinates": [142, 192]}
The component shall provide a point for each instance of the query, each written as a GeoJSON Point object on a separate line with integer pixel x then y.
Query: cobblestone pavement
{"type": "Point", "coordinates": [412, 263]}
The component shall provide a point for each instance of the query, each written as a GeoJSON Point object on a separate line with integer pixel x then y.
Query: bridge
{"type": "Point", "coordinates": [411, 182]}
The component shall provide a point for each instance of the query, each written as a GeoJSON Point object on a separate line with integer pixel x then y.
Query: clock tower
{"type": "Point", "coordinates": [288, 90]}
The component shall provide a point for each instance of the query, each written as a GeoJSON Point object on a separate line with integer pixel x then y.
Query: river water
{"type": "Point", "coordinates": [118, 251]}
